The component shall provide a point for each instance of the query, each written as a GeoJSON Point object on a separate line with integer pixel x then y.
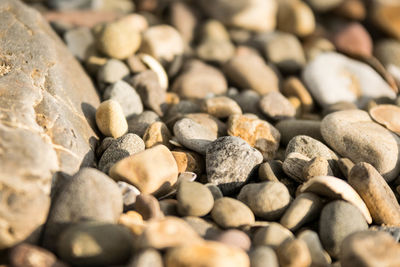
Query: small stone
{"type": "Point", "coordinates": [352, 9]}
{"type": "Point", "coordinates": [139, 170]}
{"type": "Point", "coordinates": [120, 148]}
{"type": "Point", "coordinates": [276, 106]}
{"type": "Point", "coordinates": [316, 46]}
{"type": "Point", "coordinates": [80, 42]}
{"type": "Point", "coordinates": [126, 96]}
{"type": "Point", "coordinates": [207, 254]}
{"type": "Point", "coordinates": [354, 40]}
{"type": "Point", "coordinates": [294, 253]}
{"type": "Point", "coordinates": [338, 220]}
{"type": "Point", "coordinates": [293, 86]}
{"type": "Point", "coordinates": [147, 258]}
{"type": "Point", "coordinates": [135, 64]}
{"type": "Point", "coordinates": [215, 191]}
{"type": "Point", "coordinates": [267, 200]}
{"type": "Point", "coordinates": [157, 134]}
{"type": "Point", "coordinates": [110, 119]}
{"type": "Point", "coordinates": [318, 166]}
{"type": "Point", "coordinates": [157, 68]}
{"type": "Point", "coordinates": [112, 71]}
{"type": "Point", "coordinates": [183, 17]}
{"type": "Point", "coordinates": [95, 244]}
{"type": "Point", "coordinates": [248, 101]}
{"type": "Point", "coordinates": [270, 171]}
{"type": "Point", "coordinates": [139, 123]}
{"type": "Point", "coordinates": [376, 194]}
{"type": "Point", "coordinates": [305, 208]}
{"type": "Point", "coordinates": [221, 107]}
{"type": "Point", "coordinates": [166, 233]}
{"type": "Point", "coordinates": [258, 133]}
{"type": "Point", "coordinates": [387, 115]}
{"type": "Point", "coordinates": [152, 94]}
{"type": "Point", "coordinates": [324, 5]}
{"type": "Point", "coordinates": [199, 80]}
{"type": "Point", "coordinates": [129, 193]}
{"type": "Point", "coordinates": [205, 228]}
{"type": "Point", "coordinates": [294, 164]}
{"type": "Point", "coordinates": [25, 254]}
{"type": "Point", "coordinates": [229, 163]}
{"type": "Point", "coordinates": [234, 238]}
{"type": "Point", "coordinates": [230, 213]}
{"type": "Point", "coordinates": [119, 39]}
{"type": "Point", "coordinates": [272, 236]}
{"type": "Point", "coordinates": [292, 128]}
{"type": "Point", "coordinates": [335, 188]}
{"type": "Point", "coordinates": [339, 106]}
{"type": "Point", "coordinates": [319, 256]}
{"type": "Point", "coordinates": [169, 207]}
{"type": "Point", "coordinates": [179, 110]}
{"type": "Point", "coordinates": [296, 17]}
{"type": "Point", "coordinates": [133, 221]}
{"type": "Point", "coordinates": [263, 256]}
{"type": "Point", "coordinates": [147, 206]}
{"type": "Point", "coordinates": [369, 248]}
{"type": "Point", "coordinates": [249, 71]}
{"type": "Point", "coordinates": [394, 231]}
{"type": "Point", "coordinates": [188, 161]}
{"type": "Point", "coordinates": [162, 42]}
{"type": "Point", "coordinates": [345, 166]}
{"type": "Point", "coordinates": [209, 121]}
{"type": "Point", "coordinates": [193, 135]}
{"type": "Point", "coordinates": [387, 51]}
{"type": "Point", "coordinates": [385, 16]}
{"type": "Point", "coordinates": [355, 136]}
{"type": "Point", "coordinates": [105, 143]}
{"type": "Point", "coordinates": [194, 199]}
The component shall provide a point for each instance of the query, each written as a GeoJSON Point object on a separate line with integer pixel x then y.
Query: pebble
{"type": "Point", "coordinates": [268, 200]}
{"type": "Point", "coordinates": [129, 193]}
{"type": "Point", "coordinates": [139, 170]}
{"type": "Point", "coordinates": [272, 236]}
{"type": "Point", "coordinates": [319, 257]}
{"type": "Point", "coordinates": [294, 253]}
{"type": "Point", "coordinates": [126, 96]}
{"type": "Point", "coordinates": [169, 207]}
{"type": "Point", "coordinates": [353, 39]}
{"type": "Point", "coordinates": [276, 106]}
{"type": "Point", "coordinates": [394, 231]}
{"type": "Point", "coordinates": [296, 17]}
{"type": "Point", "coordinates": [157, 134]}
{"type": "Point", "coordinates": [188, 161]}
{"type": "Point", "coordinates": [345, 166]}
{"type": "Point", "coordinates": [249, 71]}
{"type": "Point", "coordinates": [388, 116]}
{"type": "Point", "coordinates": [339, 106]}
{"type": "Point", "coordinates": [234, 238]}
{"type": "Point", "coordinates": [167, 233]}
{"type": "Point", "coordinates": [179, 110]}
{"type": "Point", "coordinates": [231, 213]}
{"type": "Point", "coordinates": [248, 101]}
{"type": "Point", "coordinates": [89, 194]}
{"type": "Point", "coordinates": [305, 208]}
{"type": "Point", "coordinates": [294, 87]}
{"type": "Point", "coordinates": [258, 133]}
{"type": "Point", "coordinates": [355, 136]}
{"type": "Point", "coordinates": [215, 191]}
{"type": "Point", "coordinates": [291, 128]}
{"type": "Point", "coordinates": [207, 254]}
{"type": "Point", "coordinates": [262, 256]}
{"type": "Point", "coordinates": [316, 46]}
{"type": "Point", "coordinates": [385, 16]}
{"type": "Point", "coordinates": [338, 220]}
{"type": "Point", "coordinates": [95, 244]}
{"type": "Point", "coordinates": [110, 119]}
{"type": "Point", "coordinates": [318, 166]}
{"type": "Point", "coordinates": [332, 77]}
{"type": "Point", "coordinates": [209, 121]}
{"type": "Point", "coordinates": [120, 148]}
{"type": "Point", "coordinates": [199, 80]}
{"type": "Point", "coordinates": [387, 51]}
{"type": "Point", "coordinates": [25, 254]}
{"type": "Point", "coordinates": [335, 188]}
{"type": "Point", "coordinates": [183, 18]}
{"type": "Point", "coordinates": [369, 248]}
{"type": "Point", "coordinates": [158, 69]}
{"type": "Point", "coordinates": [147, 258]}
{"type": "Point", "coordinates": [229, 163]}
{"type": "Point", "coordinates": [80, 42]}
{"type": "Point", "coordinates": [152, 94]}
{"type": "Point", "coordinates": [376, 194]}
{"type": "Point", "coordinates": [221, 107]}
{"type": "Point", "coordinates": [352, 9]}
{"type": "Point", "coordinates": [324, 5]}
{"type": "Point", "coordinates": [207, 229]}
{"type": "Point", "coordinates": [162, 42]}
{"type": "Point", "coordinates": [139, 123]}
{"type": "Point", "coordinates": [270, 171]}
{"type": "Point", "coordinates": [148, 207]}
{"type": "Point", "coordinates": [193, 135]}
{"type": "Point", "coordinates": [119, 39]}
{"type": "Point", "coordinates": [294, 164]}
{"type": "Point", "coordinates": [194, 199]}
{"type": "Point", "coordinates": [112, 71]}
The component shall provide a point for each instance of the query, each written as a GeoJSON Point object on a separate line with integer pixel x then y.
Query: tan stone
{"type": "Point", "coordinates": [221, 107]}
{"type": "Point", "coordinates": [157, 134]}
{"type": "Point", "coordinates": [134, 221]}
{"type": "Point", "coordinates": [387, 18]}
{"type": "Point", "coordinates": [294, 253]}
{"type": "Point", "coordinates": [294, 87]}
{"type": "Point", "coordinates": [215, 125]}
{"type": "Point", "coordinates": [188, 161]}
{"type": "Point", "coordinates": [110, 119]}
{"type": "Point", "coordinates": [152, 171]}
{"type": "Point", "coordinates": [296, 17]}
{"type": "Point", "coordinates": [387, 115]}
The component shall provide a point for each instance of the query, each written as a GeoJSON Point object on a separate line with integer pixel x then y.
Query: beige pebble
{"type": "Point", "coordinates": [276, 106]}
{"type": "Point", "coordinates": [188, 161]}
{"type": "Point", "coordinates": [296, 17]}
{"type": "Point", "coordinates": [387, 115]}
{"type": "Point", "coordinates": [294, 164]}
{"type": "Point", "coordinates": [221, 107]}
{"type": "Point", "coordinates": [293, 86]}
{"type": "Point", "coordinates": [110, 119]}
{"type": "Point", "coordinates": [157, 134]}
{"type": "Point", "coordinates": [318, 166]}
{"type": "Point", "coordinates": [272, 235]}
{"type": "Point", "coordinates": [294, 253]}
{"type": "Point", "coordinates": [229, 212]}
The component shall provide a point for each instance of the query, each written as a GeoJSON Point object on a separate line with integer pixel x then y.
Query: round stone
{"type": "Point", "coordinates": [294, 253]}
{"type": "Point", "coordinates": [272, 235]}
{"type": "Point", "coordinates": [194, 199]}
{"type": "Point", "coordinates": [262, 256]}
{"type": "Point", "coordinates": [110, 119]}
{"type": "Point", "coordinates": [229, 212]}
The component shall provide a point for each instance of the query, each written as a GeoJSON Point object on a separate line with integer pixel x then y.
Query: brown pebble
{"type": "Point", "coordinates": [354, 40]}
{"type": "Point", "coordinates": [148, 207]}
{"type": "Point", "coordinates": [294, 253]}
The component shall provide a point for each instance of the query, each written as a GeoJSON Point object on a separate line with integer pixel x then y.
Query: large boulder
{"type": "Point", "coordinates": [47, 106]}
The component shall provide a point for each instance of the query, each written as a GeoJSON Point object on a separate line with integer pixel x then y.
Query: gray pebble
{"type": "Point", "coordinates": [113, 71]}
{"type": "Point", "coordinates": [270, 171]}
{"type": "Point", "coordinates": [80, 42]}
{"type": "Point", "coordinates": [206, 229]}
{"type": "Point", "coordinates": [147, 258]}
{"type": "Point", "coordinates": [272, 235]}
{"type": "Point", "coordinates": [138, 124]}
{"type": "Point", "coordinates": [148, 207]}
{"type": "Point", "coordinates": [292, 128]}
{"type": "Point", "coordinates": [263, 256]}
{"type": "Point", "coordinates": [276, 106]}
{"type": "Point", "coordinates": [194, 199]}
{"type": "Point", "coordinates": [215, 191]}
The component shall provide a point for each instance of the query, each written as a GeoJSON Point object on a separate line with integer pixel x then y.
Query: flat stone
{"type": "Point", "coordinates": [194, 199]}
{"type": "Point", "coordinates": [338, 220]}
{"type": "Point", "coordinates": [229, 213]}
{"type": "Point", "coordinates": [126, 96]}
{"type": "Point", "coordinates": [332, 77]}
{"type": "Point", "coordinates": [319, 257]}
{"type": "Point", "coordinates": [276, 106]}
{"type": "Point", "coordinates": [120, 148]}
{"type": "Point", "coordinates": [89, 194]}
{"type": "Point", "coordinates": [296, 17]}
{"type": "Point", "coordinates": [138, 124]}
{"type": "Point", "coordinates": [272, 236]}
{"type": "Point", "coordinates": [147, 258]}
{"type": "Point", "coordinates": [208, 121]}
{"type": "Point", "coordinates": [291, 128]}
{"type": "Point", "coordinates": [354, 135]}
{"type": "Point", "coordinates": [207, 254]}
{"type": "Point", "coordinates": [376, 194]}
{"type": "Point", "coordinates": [263, 256]}
{"type": "Point", "coordinates": [229, 163]}
{"type": "Point", "coordinates": [139, 170]}
{"type": "Point", "coordinates": [221, 107]}
{"type": "Point", "coordinates": [47, 110]}
{"type": "Point", "coordinates": [294, 253]}
{"type": "Point", "coordinates": [268, 200]}
{"type": "Point", "coordinates": [193, 135]}
{"type": "Point", "coordinates": [110, 119]}
{"type": "Point", "coordinates": [305, 208]}
{"type": "Point", "coordinates": [157, 134]}
{"type": "Point", "coordinates": [388, 116]}
{"type": "Point", "coordinates": [29, 255]}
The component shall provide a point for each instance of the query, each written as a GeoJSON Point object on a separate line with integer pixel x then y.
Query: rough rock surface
{"type": "Point", "coordinates": [47, 105]}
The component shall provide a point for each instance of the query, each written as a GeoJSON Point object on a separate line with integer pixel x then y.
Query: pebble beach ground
{"type": "Point", "coordinates": [246, 133]}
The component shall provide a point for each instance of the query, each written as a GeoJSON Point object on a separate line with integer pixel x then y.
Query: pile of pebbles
{"type": "Point", "coordinates": [233, 133]}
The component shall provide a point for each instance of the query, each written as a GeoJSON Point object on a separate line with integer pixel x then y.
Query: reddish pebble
{"type": "Point", "coordinates": [354, 40]}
